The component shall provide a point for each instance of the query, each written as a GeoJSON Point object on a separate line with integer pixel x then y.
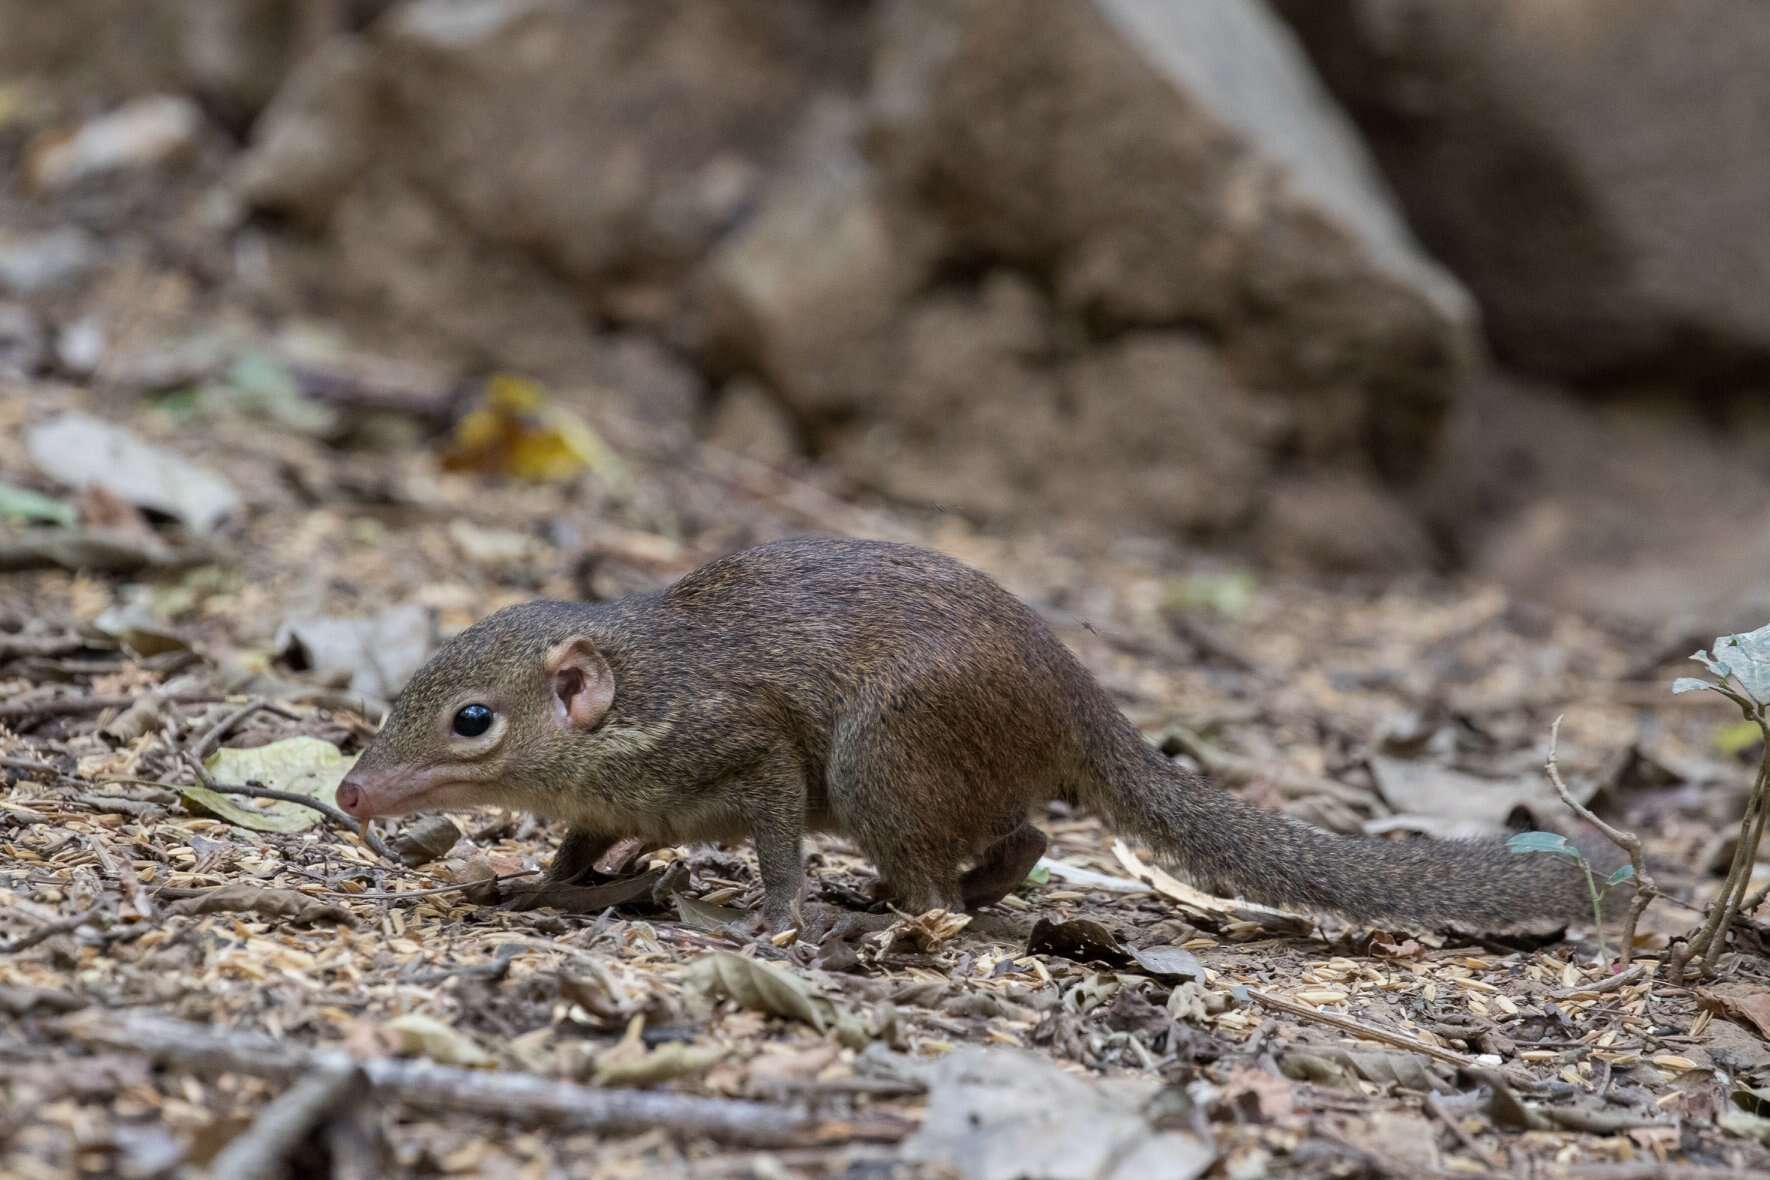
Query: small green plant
{"type": "Point", "coordinates": [1558, 845]}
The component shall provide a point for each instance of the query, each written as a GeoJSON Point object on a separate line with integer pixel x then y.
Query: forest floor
{"type": "Point", "coordinates": [168, 970]}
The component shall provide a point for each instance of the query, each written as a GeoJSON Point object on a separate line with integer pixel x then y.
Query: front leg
{"type": "Point", "coordinates": [777, 829]}
{"type": "Point", "coordinates": [575, 862]}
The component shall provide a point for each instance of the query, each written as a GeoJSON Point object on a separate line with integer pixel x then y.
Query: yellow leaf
{"type": "Point", "coordinates": [514, 430]}
{"type": "Point", "coordinates": [1737, 738]}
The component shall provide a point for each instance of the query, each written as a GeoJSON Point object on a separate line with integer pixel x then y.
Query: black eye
{"type": "Point", "coordinates": [473, 720]}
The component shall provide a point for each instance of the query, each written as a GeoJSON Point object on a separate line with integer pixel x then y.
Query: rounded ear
{"type": "Point", "coordinates": [583, 685]}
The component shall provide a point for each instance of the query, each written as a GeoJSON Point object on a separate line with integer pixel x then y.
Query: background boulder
{"type": "Point", "coordinates": [1598, 171]}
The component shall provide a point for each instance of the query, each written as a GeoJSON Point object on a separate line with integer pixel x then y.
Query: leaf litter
{"type": "Point", "coordinates": [1129, 1036]}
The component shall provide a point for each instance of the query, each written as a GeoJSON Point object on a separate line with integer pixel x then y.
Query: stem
{"type": "Point", "coordinates": [1645, 887]}
{"type": "Point", "coordinates": [1597, 912]}
{"type": "Point", "coordinates": [1708, 939]}
{"type": "Point", "coordinates": [1751, 831]}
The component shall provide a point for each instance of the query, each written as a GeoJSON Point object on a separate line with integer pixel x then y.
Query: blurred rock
{"type": "Point", "coordinates": [1596, 170]}
{"type": "Point", "coordinates": [809, 290]}
{"type": "Point", "coordinates": [1338, 523]}
{"type": "Point", "coordinates": [1163, 161]}
{"type": "Point", "coordinates": [139, 134]}
{"type": "Point", "coordinates": [230, 53]}
{"type": "Point", "coordinates": [1103, 260]}
{"type": "Point", "coordinates": [615, 140]}
{"type": "Point", "coordinates": [31, 264]}
{"type": "Point", "coordinates": [1643, 512]}
{"type": "Point", "coordinates": [234, 52]}
{"type": "Point", "coordinates": [313, 140]}
{"type": "Point", "coordinates": [746, 419]}
{"type": "Point", "coordinates": [23, 343]}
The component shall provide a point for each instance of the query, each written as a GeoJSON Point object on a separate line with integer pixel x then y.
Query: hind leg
{"type": "Point", "coordinates": [1002, 867]}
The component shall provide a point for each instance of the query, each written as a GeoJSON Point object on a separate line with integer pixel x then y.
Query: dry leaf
{"type": "Point", "coordinates": [632, 1063]}
{"type": "Point", "coordinates": [417, 1035]}
{"type": "Point", "coordinates": [1742, 1001]}
{"type": "Point", "coordinates": [287, 904]}
{"type": "Point", "coordinates": [723, 975]}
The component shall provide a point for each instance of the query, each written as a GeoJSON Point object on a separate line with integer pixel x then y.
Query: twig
{"type": "Point", "coordinates": [492, 972]}
{"type": "Point", "coordinates": [1367, 1031]}
{"type": "Point", "coordinates": [32, 766]}
{"type": "Point", "coordinates": [362, 829]}
{"type": "Point", "coordinates": [526, 1097]}
{"type": "Point", "coordinates": [71, 705]}
{"type": "Point", "coordinates": [124, 874]}
{"type": "Point", "coordinates": [1645, 888]}
{"type": "Point", "coordinates": [48, 930]}
{"type": "Point", "coordinates": [212, 738]}
{"type": "Point", "coordinates": [1711, 936]}
{"type": "Point", "coordinates": [1654, 1170]}
{"type": "Point", "coordinates": [1607, 984]}
{"type": "Point", "coordinates": [261, 1151]}
{"type": "Point", "coordinates": [1436, 1109]}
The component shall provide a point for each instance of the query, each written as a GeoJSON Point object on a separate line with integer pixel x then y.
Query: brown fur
{"type": "Point", "coordinates": [901, 699]}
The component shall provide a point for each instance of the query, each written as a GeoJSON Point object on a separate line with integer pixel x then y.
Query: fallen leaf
{"type": "Point", "coordinates": [417, 1035]}
{"type": "Point", "coordinates": [1753, 1101]}
{"type": "Point", "coordinates": [426, 839]}
{"type": "Point", "coordinates": [287, 904]}
{"type": "Point", "coordinates": [144, 131]}
{"type": "Point", "coordinates": [264, 385]}
{"type": "Point", "coordinates": [139, 627]}
{"type": "Point", "coordinates": [584, 899]}
{"type": "Point", "coordinates": [924, 933]}
{"type": "Point", "coordinates": [1079, 939]}
{"type": "Point", "coordinates": [1335, 1067]}
{"type": "Point", "coordinates": [1167, 962]}
{"type": "Point", "coordinates": [632, 1063]}
{"type": "Point", "coordinates": [1744, 1125]}
{"type": "Point", "coordinates": [723, 975]}
{"type": "Point", "coordinates": [81, 451]}
{"type": "Point", "coordinates": [514, 430]}
{"type": "Point", "coordinates": [775, 1067]}
{"type": "Point", "coordinates": [18, 503]}
{"type": "Point", "coordinates": [303, 765]}
{"type": "Point", "coordinates": [999, 1114]}
{"type": "Point", "coordinates": [1447, 803]}
{"type": "Point", "coordinates": [704, 915]}
{"type": "Point", "coordinates": [376, 654]}
{"type": "Point", "coordinates": [1742, 1001]}
{"type": "Point", "coordinates": [1254, 1095]}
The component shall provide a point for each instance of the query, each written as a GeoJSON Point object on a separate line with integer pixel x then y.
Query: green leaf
{"type": "Point", "coordinates": [18, 503]}
{"type": "Point", "coordinates": [1684, 684]}
{"type": "Point", "coordinates": [1542, 842]}
{"type": "Point", "coordinates": [1621, 875]}
{"type": "Point", "coordinates": [1226, 594]}
{"type": "Point", "coordinates": [1040, 875]}
{"type": "Point", "coordinates": [1737, 738]}
{"type": "Point", "coordinates": [1744, 657]}
{"type": "Point", "coordinates": [262, 383]}
{"type": "Point", "coordinates": [1746, 1126]}
{"type": "Point", "coordinates": [303, 765]}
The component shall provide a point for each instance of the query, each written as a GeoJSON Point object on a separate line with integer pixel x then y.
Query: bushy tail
{"type": "Point", "coordinates": [1224, 845]}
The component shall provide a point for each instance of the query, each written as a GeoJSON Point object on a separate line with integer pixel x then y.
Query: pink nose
{"type": "Point", "coordinates": [350, 797]}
